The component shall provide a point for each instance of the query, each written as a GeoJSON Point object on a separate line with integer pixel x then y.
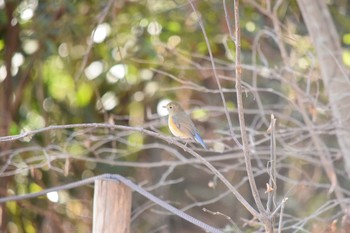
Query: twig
{"type": "Point", "coordinates": [101, 18]}
{"type": "Point", "coordinates": [225, 216]}
{"type": "Point", "coordinates": [279, 206]}
{"type": "Point", "coordinates": [147, 132]}
{"type": "Point", "coordinates": [240, 109]}
{"type": "Point", "coordinates": [271, 198]}
{"type": "Point", "coordinates": [278, 31]}
{"type": "Point", "coordinates": [280, 224]}
{"type": "Point", "coordinates": [227, 18]}
{"type": "Point", "coordinates": [200, 22]}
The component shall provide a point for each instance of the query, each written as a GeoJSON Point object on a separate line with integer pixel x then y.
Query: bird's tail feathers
{"type": "Point", "coordinates": [200, 140]}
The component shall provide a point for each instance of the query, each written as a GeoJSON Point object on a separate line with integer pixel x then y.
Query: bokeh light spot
{"type": "Point", "coordinates": [117, 72]}
{"type": "Point", "coordinates": [303, 63]}
{"type": "Point", "coordinates": [250, 26]}
{"type": "Point", "coordinates": [52, 196]}
{"type": "Point", "coordinates": [27, 14]}
{"type": "Point", "coordinates": [146, 74]}
{"type": "Point", "coordinates": [2, 4]}
{"type": "Point", "coordinates": [3, 73]}
{"type": "Point", "coordinates": [151, 88]}
{"type": "Point", "coordinates": [17, 59]}
{"type": "Point", "coordinates": [173, 41]}
{"type": "Point", "coordinates": [30, 46]}
{"type": "Point", "coordinates": [160, 107]}
{"type": "Point", "coordinates": [101, 32]}
{"type": "Point", "coordinates": [94, 70]}
{"type": "Point", "coordinates": [154, 28]}
{"type": "Point", "coordinates": [139, 96]}
{"type": "Point", "coordinates": [144, 22]}
{"type": "Point", "coordinates": [109, 101]}
{"type": "Point", "coordinates": [63, 50]}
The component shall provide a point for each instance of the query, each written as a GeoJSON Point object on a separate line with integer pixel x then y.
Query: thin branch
{"type": "Point", "coordinates": [101, 18]}
{"type": "Point", "coordinates": [228, 218]}
{"type": "Point", "coordinates": [280, 224]}
{"type": "Point", "coordinates": [278, 31]}
{"type": "Point", "coordinates": [271, 198]}
{"type": "Point", "coordinates": [200, 22]}
{"type": "Point", "coordinates": [227, 18]}
{"type": "Point", "coordinates": [234, 191]}
{"type": "Point", "coordinates": [240, 108]}
{"type": "Point", "coordinates": [128, 183]}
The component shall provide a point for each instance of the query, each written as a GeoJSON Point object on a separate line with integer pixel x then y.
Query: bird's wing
{"type": "Point", "coordinates": [185, 124]}
{"type": "Point", "coordinates": [188, 129]}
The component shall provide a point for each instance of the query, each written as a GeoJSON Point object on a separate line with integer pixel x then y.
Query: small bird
{"type": "Point", "coordinates": [181, 125]}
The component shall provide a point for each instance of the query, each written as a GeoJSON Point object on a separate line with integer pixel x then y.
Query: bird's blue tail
{"type": "Point", "coordinates": [200, 141]}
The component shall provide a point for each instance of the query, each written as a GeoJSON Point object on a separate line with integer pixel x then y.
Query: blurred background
{"type": "Point", "coordinates": [65, 62]}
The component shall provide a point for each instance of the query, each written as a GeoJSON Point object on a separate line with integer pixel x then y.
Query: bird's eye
{"type": "Point", "coordinates": [171, 107]}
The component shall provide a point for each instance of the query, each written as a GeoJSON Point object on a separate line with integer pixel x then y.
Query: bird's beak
{"type": "Point", "coordinates": [164, 106]}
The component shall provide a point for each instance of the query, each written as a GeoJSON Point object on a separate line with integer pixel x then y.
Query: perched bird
{"type": "Point", "coordinates": [181, 125]}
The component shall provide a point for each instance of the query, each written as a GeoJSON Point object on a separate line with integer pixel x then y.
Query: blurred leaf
{"type": "Point", "coordinates": [346, 57]}
{"type": "Point", "coordinates": [60, 83]}
{"type": "Point", "coordinates": [33, 187]}
{"type": "Point", "coordinates": [136, 112]}
{"type": "Point", "coordinates": [29, 227]}
{"type": "Point", "coordinates": [174, 26]}
{"type": "Point", "coordinates": [2, 45]}
{"type": "Point", "coordinates": [346, 39]}
{"type": "Point", "coordinates": [84, 94]}
{"type": "Point", "coordinates": [230, 105]}
{"type": "Point", "coordinates": [14, 129]}
{"type": "Point", "coordinates": [12, 207]}
{"type": "Point", "coordinates": [135, 141]}
{"type": "Point", "coordinates": [200, 114]}
{"type": "Point", "coordinates": [76, 149]}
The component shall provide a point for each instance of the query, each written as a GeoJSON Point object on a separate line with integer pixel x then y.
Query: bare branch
{"type": "Point", "coordinates": [147, 132]}
{"type": "Point", "coordinates": [125, 181]}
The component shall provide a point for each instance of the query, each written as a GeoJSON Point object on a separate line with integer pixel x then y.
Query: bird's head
{"type": "Point", "coordinates": [173, 107]}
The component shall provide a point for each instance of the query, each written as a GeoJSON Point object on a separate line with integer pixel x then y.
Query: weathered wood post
{"type": "Point", "coordinates": [112, 207]}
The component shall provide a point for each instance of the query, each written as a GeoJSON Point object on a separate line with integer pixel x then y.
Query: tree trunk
{"type": "Point", "coordinates": [327, 44]}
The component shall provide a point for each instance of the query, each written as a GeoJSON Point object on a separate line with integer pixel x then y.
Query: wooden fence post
{"type": "Point", "coordinates": [112, 207]}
